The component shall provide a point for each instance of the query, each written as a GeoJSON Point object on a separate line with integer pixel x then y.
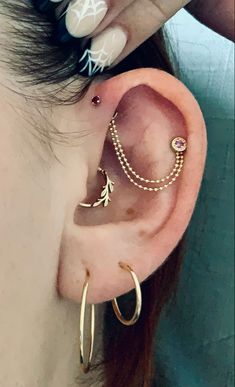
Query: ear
{"type": "Point", "coordinates": [138, 227]}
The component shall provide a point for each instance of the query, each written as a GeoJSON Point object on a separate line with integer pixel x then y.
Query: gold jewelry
{"type": "Point", "coordinates": [179, 146]}
{"type": "Point", "coordinates": [86, 366]}
{"type": "Point", "coordinates": [105, 194]}
{"type": "Point", "coordinates": [138, 307]}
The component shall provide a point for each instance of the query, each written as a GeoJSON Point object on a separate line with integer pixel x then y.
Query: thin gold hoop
{"type": "Point", "coordinates": [138, 307]}
{"type": "Point", "coordinates": [86, 365]}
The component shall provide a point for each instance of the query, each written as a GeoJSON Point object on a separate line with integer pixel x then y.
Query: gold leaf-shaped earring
{"type": "Point", "coordinates": [105, 194]}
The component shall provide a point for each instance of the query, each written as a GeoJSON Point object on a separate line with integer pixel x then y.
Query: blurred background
{"type": "Point", "coordinates": [195, 344]}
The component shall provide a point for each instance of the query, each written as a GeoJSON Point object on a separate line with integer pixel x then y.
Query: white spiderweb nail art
{"type": "Point", "coordinates": [87, 9]}
{"type": "Point", "coordinates": [96, 61]}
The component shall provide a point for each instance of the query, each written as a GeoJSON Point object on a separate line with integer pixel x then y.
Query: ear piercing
{"type": "Point", "coordinates": [86, 364]}
{"type": "Point", "coordinates": [105, 194]}
{"type": "Point", "coordinates": [96, 101]}
{"type": "Point", "coordinates": [138, 293]}
{"type": "Point", "coordinates": [178, 146]}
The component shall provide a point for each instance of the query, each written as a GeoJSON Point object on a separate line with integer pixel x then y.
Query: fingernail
{"type": "Point", "coordinates": [104, 49]}
{"type": "Point", "coordinates": [84, 16]}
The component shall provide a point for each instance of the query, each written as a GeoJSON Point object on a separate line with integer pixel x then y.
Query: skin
{"type": "Point", "coordinates": [216, 14]}
{"type": "Point", "coordinates": [39, 196]}
{"type": "Point", "coordinates": [47, 242]}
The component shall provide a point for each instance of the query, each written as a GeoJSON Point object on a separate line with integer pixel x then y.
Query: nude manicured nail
{"type": "Point", "coordinates": [84, 16]}
{"type": "Point", "coordinates": [103, 51]}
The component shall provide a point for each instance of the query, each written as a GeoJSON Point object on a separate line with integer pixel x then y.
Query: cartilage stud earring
{"type": "Point", "coordinates": [96, 100]}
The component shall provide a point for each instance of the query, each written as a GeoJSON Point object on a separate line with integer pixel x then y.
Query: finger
{"type": "Point", "coordinates": [156, 13]}
{"type": "Point", "coordinates": [131, 28]}
{"type": "Point", "coordinates": [115, 9]}
{"type": "Point", "coordinates": [86, 17]}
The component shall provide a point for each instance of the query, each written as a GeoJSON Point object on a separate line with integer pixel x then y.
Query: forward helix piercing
{"type": "Point", "coordinates": [178, 146]}
{"type": "Point", "coordinates": [96, 100]}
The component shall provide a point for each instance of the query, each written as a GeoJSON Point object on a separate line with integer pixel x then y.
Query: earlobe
{"type": "Point", "coordinates": [141, 226]}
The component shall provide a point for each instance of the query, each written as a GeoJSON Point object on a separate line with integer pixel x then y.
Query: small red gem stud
{"type": "Point", "coordinates": [179, 144]}
{"type": "Point", "coordinates": [96, 101]}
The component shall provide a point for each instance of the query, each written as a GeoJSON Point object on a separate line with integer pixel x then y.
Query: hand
{"type": "Point", "coordinates": [140, 19]}
{"type": "Point", "coordinates": [118, 27]}
{"type": "Point", "coordinates": [215, 14]}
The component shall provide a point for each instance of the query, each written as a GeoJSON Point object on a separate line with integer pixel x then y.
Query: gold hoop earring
{"type": "Point", "coordinates": [105, 194]}
{"type": "Point", "coordinates": [86, 366]}
{"type": "Point", "coordinates": [138, 307]}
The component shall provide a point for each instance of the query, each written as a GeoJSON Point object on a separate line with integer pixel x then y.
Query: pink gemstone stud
{"type": "Point", "coordinates": [96, 101]}
{"type": "Point", "coordinates": [179, 144]}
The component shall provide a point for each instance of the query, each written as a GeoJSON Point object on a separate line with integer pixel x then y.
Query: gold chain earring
{"type": "Point", "coordinates": [178, 145]}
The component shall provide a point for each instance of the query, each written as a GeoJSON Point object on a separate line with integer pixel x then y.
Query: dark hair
{"type": "Point", "coordinates": [128, 351]}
